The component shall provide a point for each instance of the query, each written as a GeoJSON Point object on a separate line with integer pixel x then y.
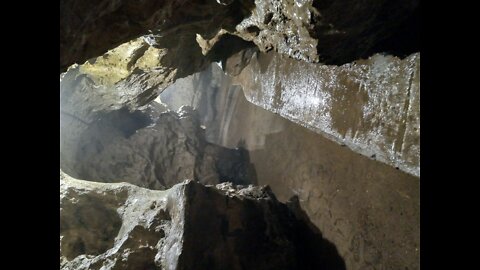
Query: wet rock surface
{"type": "Point", "coordinates": [368, 209]}
{"type": "Point", "coordinates": [372, 106]}
{"type": "Point", "coordinates": [189, 226]}
{"type": "Point", "coordinates": [111, 131]}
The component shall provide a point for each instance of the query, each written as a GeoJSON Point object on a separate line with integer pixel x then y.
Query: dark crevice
{"type": "Point", "coordinates": [127, 122]}
{"type": "Point", "coordinates": [404, 41]}
{"type": "Point", "coordinates": [398, 36]}
{"type": "Point", "coordinates": [253, 30]}
{"type": "Point", "coordinates": [226, 47]}
{"type": "Point", "coordinates": [316, 251]}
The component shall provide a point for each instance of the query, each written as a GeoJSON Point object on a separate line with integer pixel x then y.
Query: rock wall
{"type": "Point", "coordinates": [327, 31]}
{"type": "Point", "coordinates": [150, 147]}
{"type": "Point", "coordinates": [190, 226]}
{"type": "Point", "coordinates": [372, 106]}
{"type": "Point", "coordinates": [111, 131]}
{"type": "Point", "coordinates": [368, 209]}
{"type": "Point", "coordinates": [88, 29]}
{"type": "Point", "coordinates": [212, 94]}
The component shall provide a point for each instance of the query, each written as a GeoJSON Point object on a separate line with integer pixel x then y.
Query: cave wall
{"type": "Point", "coordinates": [334, 32]}
{"type": "Point", "coordinates": [371, 211]}
{"type": "Point", "coordinates": [368, 209]}
{"type": "Point", "coordinates": [215, 98]}
{"type": "Point", "coordinates": [189, 226]}
{"type": "Point", "coordinates": [89, 28]}
{"type": "Point", "coordinates": [150, 147]}
{"type": "Point", "coordinates": [370, 105]}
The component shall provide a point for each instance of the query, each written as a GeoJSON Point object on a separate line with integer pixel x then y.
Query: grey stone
{"type": "Point", "coordinates": [150, 147]}
{"type": "Point", "coordinates": [190, 226]}
{"type": "Point", "coordinates": [325, 31]}
{"type": "Point", "coordinates": [369, 209]}
{"type": "Point", "coordinates": [372, 106]}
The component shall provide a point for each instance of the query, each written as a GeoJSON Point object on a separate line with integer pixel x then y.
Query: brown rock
{"type": "Point", "coordinates": [190, 226]}
{"type": "Point", "coordinates": [303, 29]}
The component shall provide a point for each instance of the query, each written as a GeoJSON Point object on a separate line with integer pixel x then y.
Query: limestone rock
{"type": "Point", "coordinates": [89, 28]}
{"type": "Point", "coordinates": [333, 32]}
{"type": "Point", "coordinates": [215, 98]}
{"type": "Point", "coordinates": [190, 226]}
{"type": "Point", "coordinates": [371, 105]}
{"type": "Point", "coordinates": [134, 73]}
{"type": "Point", "coordinates": [326, 31]}
{"type": "Point", "coordinates": [367, 208]}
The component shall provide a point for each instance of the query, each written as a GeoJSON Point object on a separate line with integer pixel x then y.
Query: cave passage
{"type": "Point", "coordinates": [242, 134]}
{"type": "Point", "coordinates": [203, 128]}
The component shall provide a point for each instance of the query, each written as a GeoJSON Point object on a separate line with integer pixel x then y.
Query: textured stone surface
{"type": "Point", "coordinates": [372, 106]}
{"type": "Point", "coordinates": [170, 149]}
{"type": "Point", "coordinates": [132, 75]}
{"type": "Point", "coordinates": [119, 226]}
{"type": "Point", "coordinates": [190, 226]}
{"type": "Point", "coordinates": [151, 147]}
{"type": "Point", "coordinates": [368, 209]}
{"type": "Point", "coordinates": [359, 114]}
{"type": "Point", "coordinates": [326, 31]}
{"type": "Point", "coordinates": [212, 94]}
{"type": "Point", "coordinates": [331, 31]}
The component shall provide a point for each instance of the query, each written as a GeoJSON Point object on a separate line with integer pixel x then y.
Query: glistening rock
{"type": "Point", "coordinates": [370, 105]}
{"type": "Point", "coordinates": [367, 208]}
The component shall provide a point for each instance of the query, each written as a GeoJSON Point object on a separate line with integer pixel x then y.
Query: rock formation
{"type": "Point", "coordinates": [135, 73]}
{"type": "Point", "coordinates": [346, 70]}
{"type": "Point", "coordinates": [369, 209]}
{"type": "Point", "coordinates": [371, 105]}
{"type": "Point", "coordinates": [149, 147]}
{"type": "Point", "coordinates": [327, 31]}
{"type": "Point", "coordinates": [190, 226]}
